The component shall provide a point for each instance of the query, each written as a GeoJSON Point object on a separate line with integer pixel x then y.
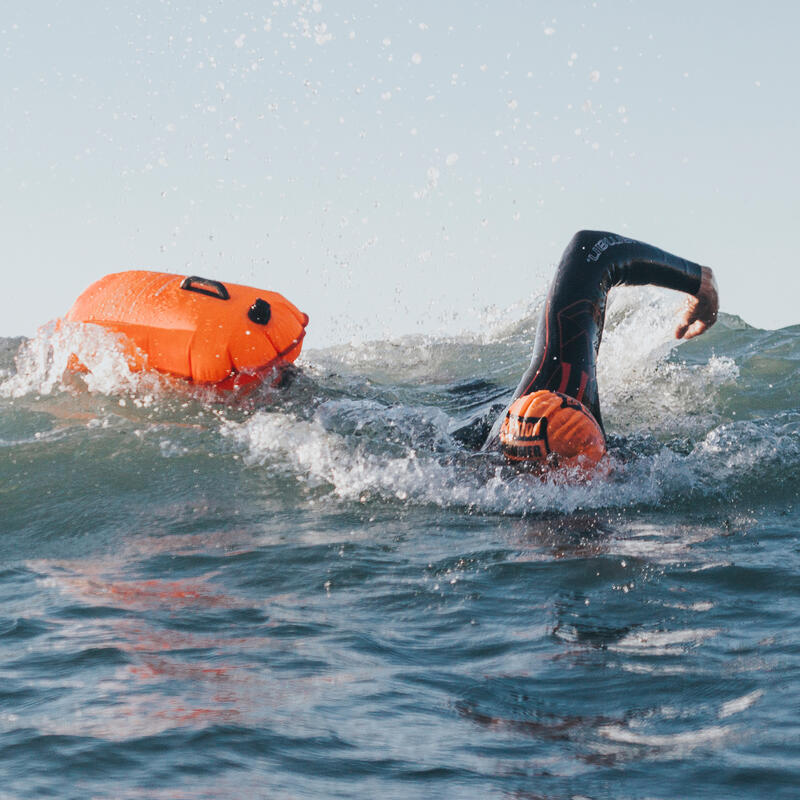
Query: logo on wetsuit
{"type": "Point", "coordinates": [603, 244]}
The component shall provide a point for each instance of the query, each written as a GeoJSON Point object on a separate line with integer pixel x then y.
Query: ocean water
{"type": "Point", "coordinates": [316, 591]}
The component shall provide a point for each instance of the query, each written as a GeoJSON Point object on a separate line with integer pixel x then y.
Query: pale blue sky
{"type": "Point", "coordinates": [393, 167]}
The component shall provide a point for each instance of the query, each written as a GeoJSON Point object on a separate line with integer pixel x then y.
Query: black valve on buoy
{"type": "Point", "coordinates": [260, 312]}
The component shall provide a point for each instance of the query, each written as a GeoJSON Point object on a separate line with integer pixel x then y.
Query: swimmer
{"type": "Point", "coordinates": [567, 426]}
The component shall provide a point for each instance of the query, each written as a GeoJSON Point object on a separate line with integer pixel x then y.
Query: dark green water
{"type": "Point", "coordinates": [317, 592]}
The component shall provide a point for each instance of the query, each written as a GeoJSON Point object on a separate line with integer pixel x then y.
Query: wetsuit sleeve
{"type": "Point", "coordinates": [571, 327]}
{"type": "Point", "coordinates": [643, 265]}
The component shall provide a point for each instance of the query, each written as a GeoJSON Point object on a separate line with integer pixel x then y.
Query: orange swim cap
{"type": "Point", "coordinates": [549, 427]}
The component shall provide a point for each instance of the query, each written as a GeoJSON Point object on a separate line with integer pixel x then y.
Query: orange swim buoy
{"type": "Point", "coordinates": [194, 328]}
{"type": "Point", "coordinates": [546, 426]}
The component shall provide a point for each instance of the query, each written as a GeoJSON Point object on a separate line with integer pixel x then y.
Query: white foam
{"type": "Point", "coordinates": [396, 462]}
{"type": "Point", "coordinates": [640, 389]}
{"type": "Point", "coordinates": [662, 642]}
{"type": "Point", "coordinates": [43, 363]}
{"type": "Point", "coordinates": [740, 704]}
{"type": "Point", "coordinates": [677, 743]}
{"type": "Point", "coordinates": [362, 449]}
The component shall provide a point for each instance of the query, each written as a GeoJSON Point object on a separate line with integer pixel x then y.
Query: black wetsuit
{"type": "Point", "coordinates": [570, 329]}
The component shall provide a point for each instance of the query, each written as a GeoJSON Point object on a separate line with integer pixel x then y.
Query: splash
{"type": "Point", "coordinates": [44, 362]}
{"type": "Point", "coordinates": [645, 386]}
{"type": "Point", "coordinates": [48, 363]}
{"type": "Point", "coordinates": [680, 444]}
{"type": "Point", "coordinates": [373, 423]}
{"type": "Point", "coordinates": [405, 455]}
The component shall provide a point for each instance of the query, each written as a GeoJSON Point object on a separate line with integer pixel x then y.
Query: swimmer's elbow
{"type": "Point", "coordinates": [585, 240]}
{"type": "Point", "coordinates": [586, 236]}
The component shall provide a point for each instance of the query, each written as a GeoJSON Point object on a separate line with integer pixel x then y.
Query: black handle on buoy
{"type": "Point", "coordinates": [205, 286]}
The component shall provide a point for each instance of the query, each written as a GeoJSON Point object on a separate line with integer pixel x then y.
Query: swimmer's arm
{"type": "Point", "coordinates": [701, 309]}
{"type": "Point", "coordinates": [639, 263]}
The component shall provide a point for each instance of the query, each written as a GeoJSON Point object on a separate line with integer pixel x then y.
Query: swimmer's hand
{"type": "Point", "coordinates": [701, 311]}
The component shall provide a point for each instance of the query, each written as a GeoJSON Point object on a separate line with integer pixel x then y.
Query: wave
{"type": "Point", "coordinates": [714, 419]}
